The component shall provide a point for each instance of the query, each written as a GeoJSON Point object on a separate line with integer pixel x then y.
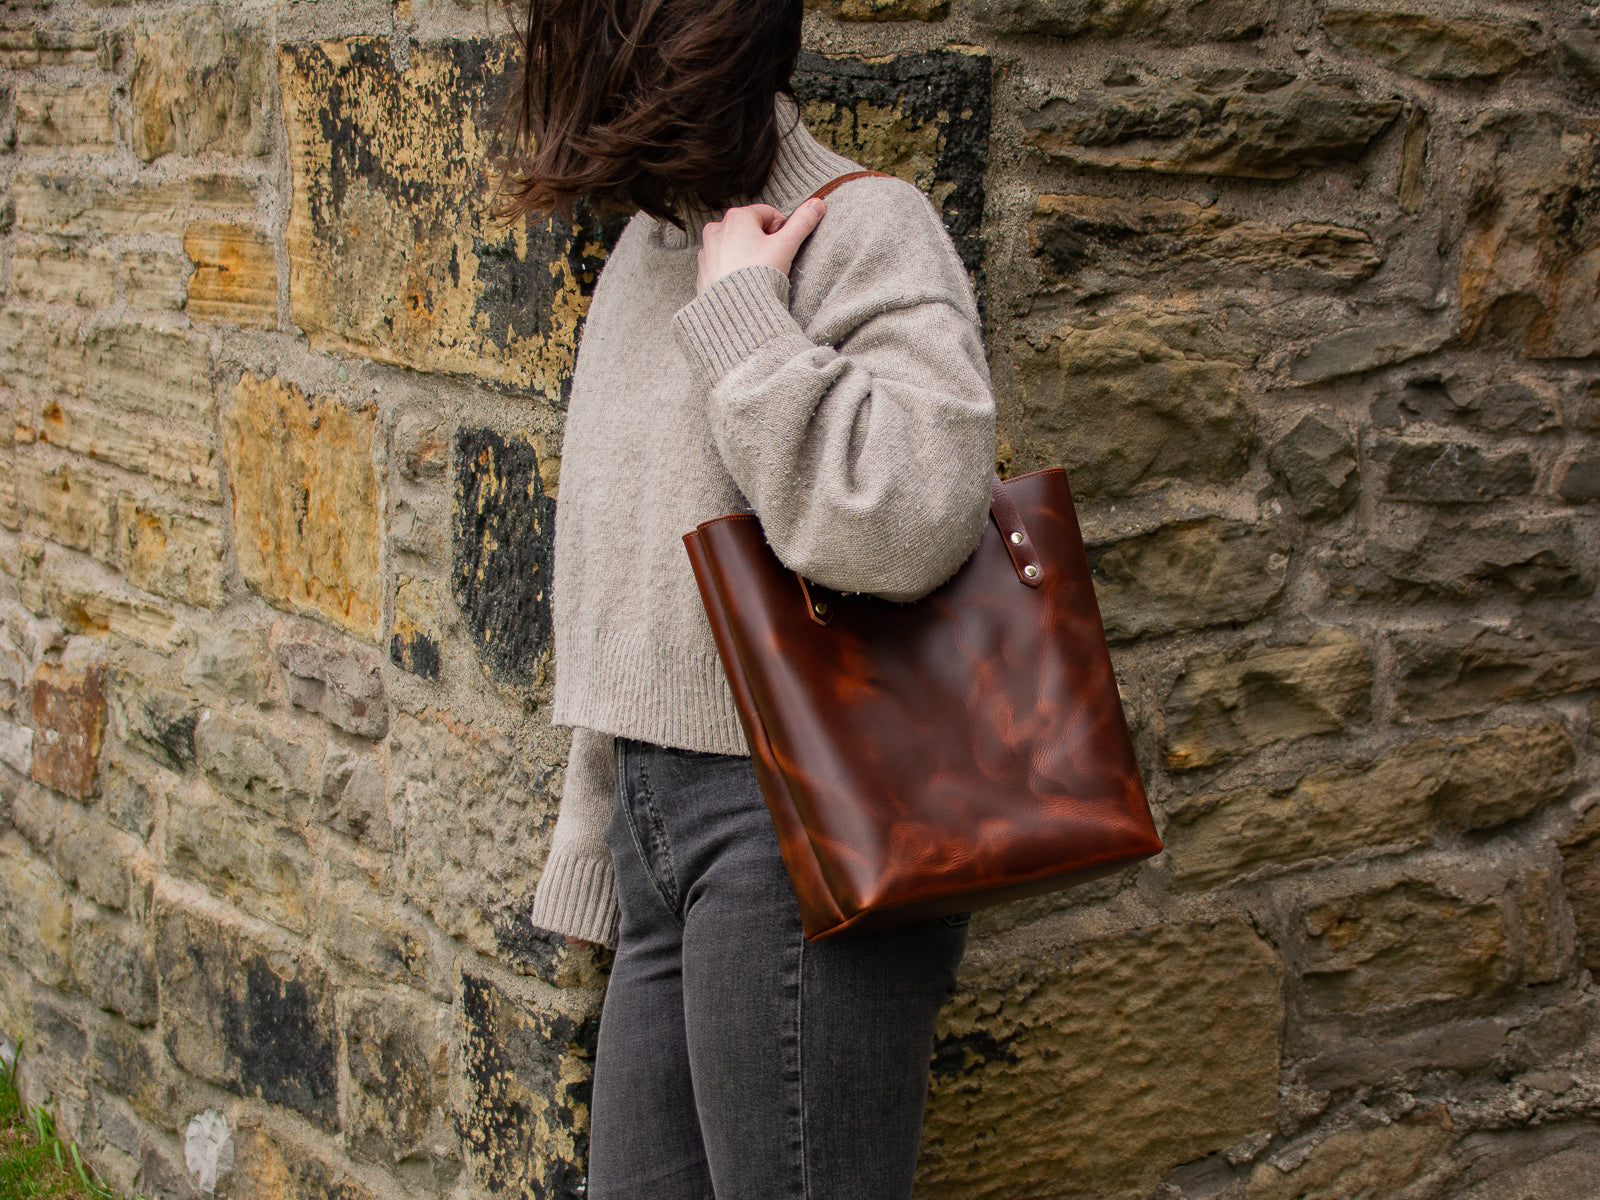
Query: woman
{"type": "Point", "coordinates": [829, 375]}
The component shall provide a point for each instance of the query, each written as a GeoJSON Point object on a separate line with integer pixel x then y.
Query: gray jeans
{"type": "Point", "coordinates": [738, 1061]}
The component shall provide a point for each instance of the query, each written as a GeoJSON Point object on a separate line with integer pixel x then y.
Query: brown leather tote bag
{"type": "Point", "coordinates": [924, 759]}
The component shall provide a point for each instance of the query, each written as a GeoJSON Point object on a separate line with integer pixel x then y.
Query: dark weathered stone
{"type": "Point", "coordinates": [245, 1017]}
{"type": "Point", "coordinates": [162, 1174]}
{"type": "Point", "coordinates": [1413, 556]}
{"type": "Point", "coordinates": [1432, 45]}
{"type": "Point", "coordinates": [503, 546]}
{"type": "Point", "coordinates": [129, 1062]}
{"type": "Point", "coordinates": [69, 716]}
{"type": "Point", "coordinates": [1173, 21]}
{"type": "Point", "coordinates": [524, 1126]}
{"type": "Point", "coordinates": [414, 643]}
{"type": "Point", "coordinates": [1225, 704]}
{"type": "Point", "coordinates": [1468, 667]}
{"type": "Point", "coordinates": [152, 720]}
{"type": "Point", "coordinates": [1188, 575]}
{"type": "Point", "coordinates": [1255, 123]}
{"type": "Point", "coordinates": [1317, 459]}
{"type": "Point", "coordinates": [1505, 406]}
{"type": "Point", "coordinates": [111, 963]}
{"type": "Point", "coordinates": [1439, 472]}
{"type": "Point", "coordinates": [1580, 480]}
{"type": "Point", "coordinates": [1530, 252]}
{"type": "Point", "coordinates": [1179, 239]}
{"type": "Point", "coordinates": [924, 117]}
{"type": "Point", "coordinates": [1406, 944]}
{"type": "Point", "coordinates": [883, 10]}
{"type": "Point", "coordinates": [1366, 347]}
{"type": "Point", "coordinates": [392, 249]}
{"type": "Point", "coordinates": [1580, 854]}
{"type": "Point", "coordinates": [1139, 401]}
{"type": "Point", "coordinates": [337, 685]}
{"type": "Point", "coordinates": [397, 1053]}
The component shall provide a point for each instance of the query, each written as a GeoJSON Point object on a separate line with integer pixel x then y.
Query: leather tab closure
{"type": "Point", "coordinates": [817, 608]}
{"type": "Point", "coordinates": [1014, 533]}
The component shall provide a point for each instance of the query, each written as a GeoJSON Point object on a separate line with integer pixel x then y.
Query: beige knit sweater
{"type": "Point", "coordinates": [847, 404]}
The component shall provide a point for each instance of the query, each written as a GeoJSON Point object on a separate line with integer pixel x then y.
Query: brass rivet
{"type": "Point", "coordinates": [821, 609]}
{"type": "Point", "coordinates": [1031, 571]}
{"type": "Point", "coordinates": [1016, 539]}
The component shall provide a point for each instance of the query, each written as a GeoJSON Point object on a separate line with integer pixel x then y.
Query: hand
{"type": "Point", "coordinates": [576, 942]}
{"type": "Point", "coordinates": [752, 236]}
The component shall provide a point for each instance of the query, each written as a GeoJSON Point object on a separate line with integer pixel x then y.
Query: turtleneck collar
{"type": "Point", "coordinates": [802, 165]}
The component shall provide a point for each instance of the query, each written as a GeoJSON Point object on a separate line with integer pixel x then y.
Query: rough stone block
{"type": "Point", "coordinates": [422, 445]}
{"type": "Point", "coordinates": [1317, 459]}
{"type": "Point", "coordinates": [1093, 1052]}
{"type": "Point", "coordinates": [16, 747]}
{"type": "Point", "coordinates": [31, 43]}
{"type": "Point", "coordinates": [187, 464]}
{"type": "Point", "coordinates": [35, 913]}
{"type": "Point", "coordinates": [87, 607]}
{"type": "Point", "coordinates": [169, 552]}
{"type": "Point", "coordinates": [1440, 472]}
{"type": "Point", "coordinates": [129, 793]}
{"type": "Point", "coordinates": [1225, 704]}
{"type": "Point", "coordinates": [271, 1164]}
{"type": "Point", "coordinates": [1580, 480]}
{"type": "Point", "coordinates": [9, 517]}
{"type": "Point", "coordinates": [923, 117]}
{"type": "Point", "coordinates": [336, 685]}
{"type": "Point", "coordinates": [1407, 944]}
{"type": "Point", "coordinates": [90, 853]}
{"type": "Point", "coordinates": [151, 719]}
{"type": "Point", "coordinates": [307, 516]}
{"type": "Point", "coordinates": [1580, 855]}
{"type": "Point", "coordinates": [245, 1016]}
{"type": "Point", "coordinates": [233, 662]}
{"type": "Point", "coordinates": [1171, 21]}
{"type": "Point", "coordinates": [130, 1063]}
{"type": "Point", "coordinates": [235, 277]}
{"type": "Point", "coordinates": [354, 798]}
{"type": "Point", "coordinates": [1406, 1160]}
{"type": "Point", "coordinates": [69, 716]}
{"type": "Point", "coordinates": [1366, 347]}
{"type": "Point", "coordinates": [151, 279]}
{"type": "Point", "coordinates": [414, 645]}
{"type": "Point", "coordinates": [524, 1122]}
{"type": "Point", "coordinates": [200, 83]}
{"type": "Point", "coordinates": [392, 253]}
{"type": "Point", "coordinates": [504, 540]}
{"type": "Point", "coordinates": [1433, 45]}
{"type": "Point", "coordinates": [255, 766]}
{"type": "Point", "coordinates": [397, 1050]}
{"type": "Point", "coordinates": [1255, 123]}
{"type": "Point", "coordinates": [57, 273]}
{"type": "Point", "coordinates": [477, 816]}
{"type": "Point", "coordinates": [67, 505]}
{"type": "Point", "coordinates": [1144, 400]}
{"type": "Point", "coordinates": [1181, 240]}
{"type": "Point", "coordinates": [1530, 252]}
{"type": "Point", "coordinates": [78, 118]}
{"type": "Point", "coordinates": [1188, 575]}
{"type": "Point", "coordinates": [1413, 556]}
{"type": "Point", "coordinates": [264, 869]}
{"type": "Point", "coordinates": [1467, 667]}
{"type": "Point", "coordinates": [1451, 396]}
{"type": "Point", "coordinates": [377, 936]}
{"type": "Point", "coordinates": [148, 367]}
{"type": "Point", "coordinates": [883, 10]}
{"type": "Point", "coordinates": [1475, 781]}
{"type": "Point", "coordinates": [111, 964]}
{"type": "Point", "coordinates": [89, 204]}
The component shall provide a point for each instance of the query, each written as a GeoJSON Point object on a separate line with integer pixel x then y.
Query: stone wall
{"type": "Point", "coordinates": [1305, 294]}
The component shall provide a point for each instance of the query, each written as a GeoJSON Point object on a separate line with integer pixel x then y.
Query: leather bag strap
{"type": "Point", "coordinates": [827, 189]}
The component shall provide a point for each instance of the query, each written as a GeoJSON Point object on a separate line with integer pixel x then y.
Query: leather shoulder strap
{"type": "Point", "coordinates": [828, 187]}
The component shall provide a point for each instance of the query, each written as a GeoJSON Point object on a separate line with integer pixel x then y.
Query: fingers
{"type": "Point", "coordinates": [800, 224]}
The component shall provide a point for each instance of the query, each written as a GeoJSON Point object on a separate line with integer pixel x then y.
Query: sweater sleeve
{"type": "Point", "coordinates": [866, 457]}
{"type": "Point", "coordinates": [577, 894]}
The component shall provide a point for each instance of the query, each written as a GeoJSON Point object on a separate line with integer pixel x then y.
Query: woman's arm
{"type": "Point", "coordinates": [867, 457]}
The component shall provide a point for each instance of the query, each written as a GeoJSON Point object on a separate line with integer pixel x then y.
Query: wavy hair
{"type": "Point", "coordinates": [645, 104]}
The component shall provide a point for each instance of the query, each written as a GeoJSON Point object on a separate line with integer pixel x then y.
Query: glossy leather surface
{"type": "Point", "coordinates": [923, 759]}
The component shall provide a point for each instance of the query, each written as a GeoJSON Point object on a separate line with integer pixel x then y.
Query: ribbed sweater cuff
{"type": "Point", "coordinates": [577, 897]}
{"type": "Point", "coordinates": [733, 318]}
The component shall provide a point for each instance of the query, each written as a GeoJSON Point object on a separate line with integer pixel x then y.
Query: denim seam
{"type": "Point", "coordinates": [670, 894]}
{"type": "Point", "coordinates": [799, 1062]}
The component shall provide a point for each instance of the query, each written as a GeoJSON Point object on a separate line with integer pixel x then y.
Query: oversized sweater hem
{"type": "Point", "coordinates": [577, 897]}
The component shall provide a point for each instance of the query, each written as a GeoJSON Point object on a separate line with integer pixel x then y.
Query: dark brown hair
{"type": "Point", "coordinates": [645, 104]}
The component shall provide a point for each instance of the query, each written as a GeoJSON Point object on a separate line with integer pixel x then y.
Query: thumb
{"type": "Point", "coordinates": [800, 224]}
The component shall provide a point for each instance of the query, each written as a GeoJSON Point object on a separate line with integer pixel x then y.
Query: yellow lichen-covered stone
{"type": "Point", "coordinates": [236, 274]}
{"type": "Point", "coordinates": [1407, 1160]}
{"type": "Point", "coordinates": [1062, 1078]}
{"type": "Point", "coordinates": [393, 254]}
{"type": "Point", "coordinates": [307, 519]}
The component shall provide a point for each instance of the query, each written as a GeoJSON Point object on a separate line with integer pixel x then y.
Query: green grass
{"type": "Point", "coordinates": [36, 1163]}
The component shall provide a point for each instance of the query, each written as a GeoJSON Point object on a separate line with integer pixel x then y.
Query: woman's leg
{"type": "Point", "coordinates": [644, 1141]}
{"type": "Point", "coordinates": [809, 1060]}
